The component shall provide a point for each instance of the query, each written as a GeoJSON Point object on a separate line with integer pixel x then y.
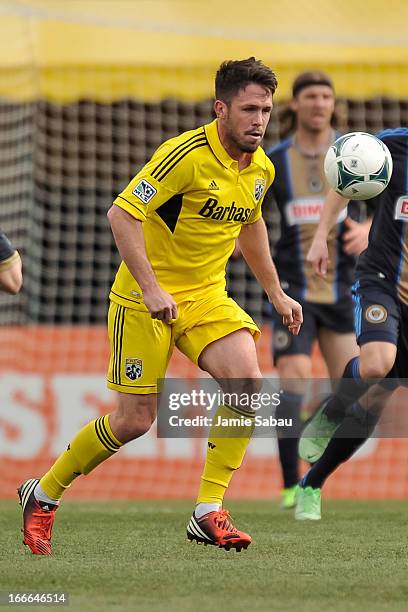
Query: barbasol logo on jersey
{"type": "Point", "coordinates": [307, 210]}
{"type": "Point", "coordinates": [144, 191]}
{"type": "Point", "coordinates": [401, 209]}
{"type": "Point", "coordinates": [213, 210]}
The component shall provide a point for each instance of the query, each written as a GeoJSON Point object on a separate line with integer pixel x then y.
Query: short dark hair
{"type": "Point", "coordinates": [234, 75]}
{"type": "Point", "coordinates": [309, 78]}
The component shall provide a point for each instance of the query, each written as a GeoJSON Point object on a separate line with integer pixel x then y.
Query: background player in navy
{"type": "Point", "coordinates": [381, 319]}
{"type": "Point", "coordinates": [299, 191]}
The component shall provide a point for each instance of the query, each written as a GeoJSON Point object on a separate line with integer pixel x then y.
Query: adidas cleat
{"type": "Point", "coordinates": [308, 505]}
{"type": "Point", "coordinates": [316, 435]}
{"type": "Point", "coordinates": [38, 519]}
{"type": "Point", "coordinates": [217, 529]}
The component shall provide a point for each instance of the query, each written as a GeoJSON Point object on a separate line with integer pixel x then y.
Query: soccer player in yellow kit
{"type": "Point", "coordinates": [175, 226]}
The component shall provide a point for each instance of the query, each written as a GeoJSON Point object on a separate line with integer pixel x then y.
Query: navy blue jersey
{"type": "Point", "coordinates": [299, 190]}
{"type": "Point", "coordinates": [387, 251]}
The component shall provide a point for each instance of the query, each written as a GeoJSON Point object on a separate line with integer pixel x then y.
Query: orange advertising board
{"type": "Point", "coordinates": [52, 382]}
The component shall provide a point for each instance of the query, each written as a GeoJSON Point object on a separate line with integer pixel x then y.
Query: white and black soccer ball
{"type": "Point", "coordinates": [358, 166]}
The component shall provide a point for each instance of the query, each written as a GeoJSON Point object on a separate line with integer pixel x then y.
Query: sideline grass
{"type": "Point", "coordinates": [135, 556]}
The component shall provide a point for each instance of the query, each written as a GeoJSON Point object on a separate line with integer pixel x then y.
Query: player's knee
{"type": "Point", "coordinates": [254, 384]}
{"type": "Point", "coordinates": [376, 367]}
{"type": "Point", "coordinates": [293, 368]}
{"type": "Point", "coordinates": [134, 419]}
{"type": "Point", "coordinates": [243, 386]}
{"type": "Point", "coordinates": [140, 424]}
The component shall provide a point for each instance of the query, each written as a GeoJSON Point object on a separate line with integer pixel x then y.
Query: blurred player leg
{"type": "Point", "coordinates": [350, 435]}
{"type": "Point", "coordinates": [375, 361]}
{"type": "Point", "coordinates": [337, 349]}
{"type": "Point", "coordinates": [291, 355]}
{"type": "Point", "coordinates": [294, 373]}
{"type": "Point", "coordinates": [358, 401]}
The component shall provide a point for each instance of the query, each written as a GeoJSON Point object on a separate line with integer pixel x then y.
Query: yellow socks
{"type": "Point", "coordinates": [92, 444]}
{"type": "Point", "coordinates": [227, 443]}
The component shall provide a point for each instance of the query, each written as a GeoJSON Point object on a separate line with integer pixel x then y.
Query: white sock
{"type": "Point", "coordinates": [41, 496]}
{"type": "Point", "coordinates": [202, 509]}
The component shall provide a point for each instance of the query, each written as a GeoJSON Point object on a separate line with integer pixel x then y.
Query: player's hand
{"type": "Point", "coordinates": [355, 238]}
{"type": "Point", "coordinates": [160, 304]}
{"type": "Point", "coordinates": [291, 311]}
{"type": "Point", "coordinates": [318, 256]}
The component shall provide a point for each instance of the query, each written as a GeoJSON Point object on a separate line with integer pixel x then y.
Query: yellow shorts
{"type": "Point", "coordinates": [141, 347]}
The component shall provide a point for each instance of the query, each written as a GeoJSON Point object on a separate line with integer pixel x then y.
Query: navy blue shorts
{"type": "Point", "coordinates": [337, 317]}
{"type": "Point", "coordinates": [379, 316]}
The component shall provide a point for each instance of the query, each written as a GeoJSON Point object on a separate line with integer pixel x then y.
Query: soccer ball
{"type": "Point", "coordinates": [358, 166]}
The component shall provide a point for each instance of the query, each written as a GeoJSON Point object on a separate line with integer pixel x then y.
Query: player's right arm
{"type": "Point", "coordinates": [11, 278]}
{"type": "Point", "coordinates": [129, 238]}
{"type": "Point", "coordinates": [167, 173]}
{"type": "Point", "coordinates": [318, 254]}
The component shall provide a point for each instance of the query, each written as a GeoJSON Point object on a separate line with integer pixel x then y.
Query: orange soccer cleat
{"type": "Point", "coordinates": [38, 519]}
{"type": "Point", "coordinates": [216, 528]}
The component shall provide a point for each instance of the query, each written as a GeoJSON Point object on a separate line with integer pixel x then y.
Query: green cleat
{"type": "Point", "coordinates": [308, 504]}
{"type": "Point", "coordinates": [316, 435]}
{"type": "Point", "coordinates": [289, 497]}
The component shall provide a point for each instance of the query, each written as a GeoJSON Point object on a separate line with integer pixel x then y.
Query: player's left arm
{"type": "Point", "coordinates": [11, 278]}
{"type": "Point", "coordinates": [254, 245]}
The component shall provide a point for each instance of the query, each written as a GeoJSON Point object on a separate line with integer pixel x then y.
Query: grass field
{"type": "Point", "coordinates": [135, 556]}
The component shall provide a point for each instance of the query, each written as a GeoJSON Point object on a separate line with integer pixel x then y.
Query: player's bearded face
{"type": "Point", "coordinates": [314, 107]}
{"type": "Point", "coordinates": [245, 118]}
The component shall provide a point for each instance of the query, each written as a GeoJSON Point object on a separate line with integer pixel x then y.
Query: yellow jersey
{"type": "Point", "coordinates": [193, 202]}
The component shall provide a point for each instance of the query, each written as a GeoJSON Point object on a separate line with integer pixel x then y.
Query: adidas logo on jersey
{"type": "Point", "coordinates": [213, 185]}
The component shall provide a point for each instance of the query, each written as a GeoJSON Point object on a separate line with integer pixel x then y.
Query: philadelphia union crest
{"type": "Point", "coordinates": [376, 313]}
{"type": "Point", "coordinates": [133, 368]}
{"type": "Point", "coordinates": [259, 188]}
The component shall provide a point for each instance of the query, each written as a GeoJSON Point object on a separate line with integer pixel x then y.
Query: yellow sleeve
{"type": "Point", "coordinates": [160, 179]}
{"type": "Point", "coordinates": [257, 214]}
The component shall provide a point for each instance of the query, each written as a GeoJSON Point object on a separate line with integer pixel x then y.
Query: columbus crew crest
{"type": "Point", "coordinates": [133, 368]}
{"type": "Point", "coordinates": [259, 188]}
